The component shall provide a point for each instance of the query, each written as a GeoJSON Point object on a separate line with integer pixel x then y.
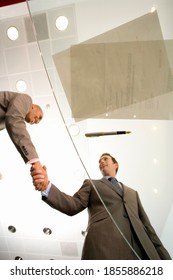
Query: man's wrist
{"type": "Point", "coordinates": [33, 161]}
{"type": "Point", "coordinates": [46, 191]}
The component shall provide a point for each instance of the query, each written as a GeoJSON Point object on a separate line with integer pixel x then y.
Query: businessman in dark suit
{"type": "Point", "coordinates": [118, 227]}
{"type": "Point", "coordinates": [15, 110]}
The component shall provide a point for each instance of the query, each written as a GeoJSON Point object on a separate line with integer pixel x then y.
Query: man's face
{"type": "Point", "coordinates": [107, 166]}
{"type": "Point", "coordinates": [34, 116]}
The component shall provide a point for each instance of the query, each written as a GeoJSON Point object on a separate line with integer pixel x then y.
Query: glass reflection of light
{"type": "Point", "coordinates": [153, 9]}
{"type": "Point", "coordinates": [155, 161]}
{"type": "Point", "coordinates": [155, 191]}
{"type": "Point", "coordinates": [154, 128]}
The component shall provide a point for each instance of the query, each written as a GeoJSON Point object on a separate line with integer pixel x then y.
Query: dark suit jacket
{"type": "Point", "coordinates": [13, 109]}
{"type": "Point", "coordinates": [118, 227]}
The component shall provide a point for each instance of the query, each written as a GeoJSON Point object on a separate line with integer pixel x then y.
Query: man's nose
{"type": "Point", "coordinates": [37, 120]}
{"type": "Point", "coordinates": [100, 163]}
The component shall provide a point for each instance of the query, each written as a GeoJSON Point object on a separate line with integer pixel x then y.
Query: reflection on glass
{"type": "Point", "coordinates": [117, 76]}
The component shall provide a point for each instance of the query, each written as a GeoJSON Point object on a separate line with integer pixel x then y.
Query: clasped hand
{"type": "Point", "coordinates": [40, 177]}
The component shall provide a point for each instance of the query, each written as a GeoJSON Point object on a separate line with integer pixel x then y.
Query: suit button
{"type": "Point", "coordinates": [125, 216]}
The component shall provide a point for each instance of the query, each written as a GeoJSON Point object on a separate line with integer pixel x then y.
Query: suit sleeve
{"type": "Point", "coordinates": [163, 253]}
{"type": "Point", "coordinates": [67, 204]}
{"type": "Point", "coordinates": [16, 127]}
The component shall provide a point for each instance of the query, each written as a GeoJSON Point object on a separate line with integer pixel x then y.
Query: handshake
{"type": "Point", "coordinates": [39, 176]}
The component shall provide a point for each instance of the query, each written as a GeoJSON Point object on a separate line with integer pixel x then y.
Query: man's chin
{"type": "Point", "coordinates": [104, 173]}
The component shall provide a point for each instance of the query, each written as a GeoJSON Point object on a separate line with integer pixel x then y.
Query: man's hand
{"type": "Point", "coordinates": [36, 165]}
{"type": "Point", "coordinates": [39, 176]}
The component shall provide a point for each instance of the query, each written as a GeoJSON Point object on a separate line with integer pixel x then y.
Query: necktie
{"type": "Point", "coordinates": [117, 186]}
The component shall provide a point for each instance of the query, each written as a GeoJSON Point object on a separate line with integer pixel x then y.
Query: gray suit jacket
{"type": "Point", "coordinates": [118, 227]}
{"type": "Point", "coordinates": [13, 109]}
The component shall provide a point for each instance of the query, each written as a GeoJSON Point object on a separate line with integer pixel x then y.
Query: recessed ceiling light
{"type": "Point", "coordinates": [74, 129]}
{"type": "Point", "coordinates": [18, 258]}
{"type": "Point", "coordinates": [47, 231]}
{"type": "Point", "coordinates": [47, 106]}
{"type": "Point", "coordinates": [12, 33]}
{"type": "Point", "coordinates": [21, 86]}
{"type": "Point", "coordinates": [12, 229]}
{"type": "Point", "coordinates": [61, 23]}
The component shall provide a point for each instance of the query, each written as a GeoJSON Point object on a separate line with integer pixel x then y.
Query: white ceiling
{"type": "Point", "coordinates": [145, 155]}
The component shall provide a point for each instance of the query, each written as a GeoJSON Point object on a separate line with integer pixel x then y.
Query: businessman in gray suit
{"type": "Point", "coordinates": [16, 109]}
{"type": "Point", "coordinates": [118, 227]}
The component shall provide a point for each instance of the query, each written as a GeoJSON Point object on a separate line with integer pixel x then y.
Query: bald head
{"type": "Point", "coordinates": [35, 114]}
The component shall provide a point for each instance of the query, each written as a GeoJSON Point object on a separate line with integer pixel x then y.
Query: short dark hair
{"type": "Point", "coordinates": [113, 159]}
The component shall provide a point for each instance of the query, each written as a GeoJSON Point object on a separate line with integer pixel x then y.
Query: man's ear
{"type": "Point", "coordinates": [116, 165]}
{"type": "Point", "coordinates": [34, 106]}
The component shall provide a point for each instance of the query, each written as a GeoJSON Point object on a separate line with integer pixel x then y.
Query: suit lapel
{"type": "Point", "coordinates": [110, 185]}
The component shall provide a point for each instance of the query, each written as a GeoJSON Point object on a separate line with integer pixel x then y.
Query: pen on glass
{"type": "Point", "coordinates": [97, 134]}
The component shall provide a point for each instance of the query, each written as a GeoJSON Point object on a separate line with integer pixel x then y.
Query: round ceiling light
{"type": "Point", "coordinates": [47, 231]}
{"type": "Point", "coordinates": [12, 33]}
{"type": "Point", "coordinates": [74, 129]}
{"type": "Point", "coordinates": [12, 229]}
{"type": "Point", "coordinates": [18, 258]}
{"type": "Point", "coordinates": [21, 86]}
{"type": "Point", "coordinates": [61, 23]}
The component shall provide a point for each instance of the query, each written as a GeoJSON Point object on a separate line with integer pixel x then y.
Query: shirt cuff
{"type": "Point", "coordinates": [46, 191]}
{"type": "Point", "coordinates": [32, 160]}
